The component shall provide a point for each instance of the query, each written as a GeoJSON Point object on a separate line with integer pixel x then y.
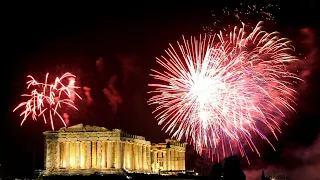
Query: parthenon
{"type": "Point", "coordinates": [85, 150]}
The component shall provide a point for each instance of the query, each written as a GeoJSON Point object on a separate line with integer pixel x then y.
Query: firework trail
{"type": "Point", "coordinates": [221, 91]}
{"type": "Point", "coordinates": [46, 99]}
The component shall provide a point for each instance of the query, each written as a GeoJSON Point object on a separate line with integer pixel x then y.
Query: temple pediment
{"type": "Point", "coordinates": [81, 128]}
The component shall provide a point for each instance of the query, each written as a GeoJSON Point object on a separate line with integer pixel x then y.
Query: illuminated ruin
{"type": "Point", "coordinates": [85, 150]}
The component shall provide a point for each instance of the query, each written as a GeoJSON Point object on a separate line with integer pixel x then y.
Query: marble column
{"type": "Point", "coordinates": [164, 160]}
{"type": "Point", "coordinates": [153, 164]}
{"type": "Point", "coordinates": [136, 157]}
{"type": "Point", "coordinates": [183, 161]}
{"type": "Point", "coordinates": [140, 157]}
{"type": "Point", "coordinates": [173, 160]}
{"type": "Point", "coordinates": [132, 159]}
{"type": "Point", "coordinates": [45, 154]}
{"type": "Point", "coordinates": [169, 159]}
{"type": "Point", "coordinates": [149, 157]}
{"type": "Point", "coordinates": [83, 154]}
{"type": "Point", "coordinates": [144, 156]}
{"type": "Point", "coordinates": [155, 161]}
{"type": "Point", "coordinates": [77, 154]}
{"type": "Point", "coordinates": [176, 155]}
{"type": "Point", "coordinates": [57, 144]}
{"type": "Point", "coordinates": [126, 155]}
{"type": "Point", "coordinates": [178, 161]}
{"type": "Point", "coordinates": [103, 154]}
{"type": "Point", "coordinates": [122, 153]}
{"type": "Point", "coordinates": [67, 155]}
{"type": "Point", "coordinates": [99, 154]}
{"type": "Point", "coordinates": [118, 155]}
{"type": "Point", "coordinates": [88, 155]}
{"type": "Point", "coordinates": [94, 154]}
{"type": "Point", "coordinates": [48, 155]}
{"type": "Point", "coordinates": [62, 155]}
{"type": "Point", "coordinates": [109, 155]}
{"type": "Point", "coordinates": [72, 155]}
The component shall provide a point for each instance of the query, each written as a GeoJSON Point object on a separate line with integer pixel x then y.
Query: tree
{"type": "Point", "coordinates": [217, 171]}
{"type": "Point", "coordinates": [232, 169]}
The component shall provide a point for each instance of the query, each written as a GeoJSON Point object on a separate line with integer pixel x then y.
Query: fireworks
{"type": "Point", "coordinates": [222, 91]}
{"type": "Point", "coordinates": [252, 13]}
{"type": "Point", "coordinates": [46, 100]}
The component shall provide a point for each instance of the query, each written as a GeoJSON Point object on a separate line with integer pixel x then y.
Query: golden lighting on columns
{"type": "Point", "coordinates": [131, 156]}
{"type": "Point", "coordinates": [118, 155]}
{"type": "Point", "coordinates": [82, 155]}
{"type": "Point", "coordinates": [62, 155]}
{"type": "Point", "coordinates": [72, 154]}
{"type": "Point", "coordinates": [135, 154]}
{"type": "Point", "coordinates": [169, 166]}
{"type": "Point", "coordinates": [99, 154]}
{"type": "Point", "coordinates": [109, 155]}
{"type": "Point", "coordinates": [140, 157]}
{"type": "Point", "coordinates": [127, 155]}
{"type": "Point", "coordinates": [94, 154]}
{"type": "Point", "coordinates": [144, 156]}
{"type": "Point", "coordinates": [149, 157]}
{"type": "Point", "coordinates": [136, 157]}
{"type": "Point", "coordinates": [176, 160]}
{"type": "Point", "coordinates": [164, 160]}
{"type": "Point", "coordinates": [88, 155]}
{"type": "Point", "coordinates": [103, 154]}
{"type": "Point", "coordinates": [67, 155]}
{"type": "Point", "coordinates": [77, 155]}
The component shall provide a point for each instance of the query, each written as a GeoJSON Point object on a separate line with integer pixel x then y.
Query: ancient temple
{"type": "Point", "coordinates": [169, 156]}
{"type": "Point", "coordinates": [85, 150]}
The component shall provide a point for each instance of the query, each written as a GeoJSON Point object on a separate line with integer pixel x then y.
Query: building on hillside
{"type": "Point", "coordinates": [86, 150]}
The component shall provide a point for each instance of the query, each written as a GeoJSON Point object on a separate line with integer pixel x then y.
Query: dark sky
{"type": "Point", "coordinates": [40, 38]}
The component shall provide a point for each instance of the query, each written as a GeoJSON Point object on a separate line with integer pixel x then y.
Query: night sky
{"type": "Point", "coordinates": [55, 38]}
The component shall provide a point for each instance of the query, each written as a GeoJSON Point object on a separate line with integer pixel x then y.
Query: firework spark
{"type": "Point", "coordinates": [45, 100]}
{"type": "Point", "coordinates": [251, 13]}
{"type": "Point", "coordinates": [223, 90]}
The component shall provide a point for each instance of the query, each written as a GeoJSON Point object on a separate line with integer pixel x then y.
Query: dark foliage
{"type": "Point", "coordinates": [231, 170]}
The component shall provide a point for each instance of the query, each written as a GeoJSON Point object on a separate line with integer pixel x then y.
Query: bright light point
{"type": "Point", "coordinates": [203, 116]}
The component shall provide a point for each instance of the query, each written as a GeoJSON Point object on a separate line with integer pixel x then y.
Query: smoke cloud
{"type": "Point", "coordinates": [128, 66]}
{"type": "Point", "coordinates": [300, 162]}
{"type": "Point", "coordinates": [310, 62]}
{"type": "Point", "coordinates": [107, 85]}
{"type": "Point", "coordinates": [87, 93]}
{"type": "Point", "coordinates": [66, 118]}
{"type": "Point", "coordinates": [112, 94]}
{"type": "Point", "coordinates": [100, 64]}
{"type": "Point", "coordinates": [308, 159]}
